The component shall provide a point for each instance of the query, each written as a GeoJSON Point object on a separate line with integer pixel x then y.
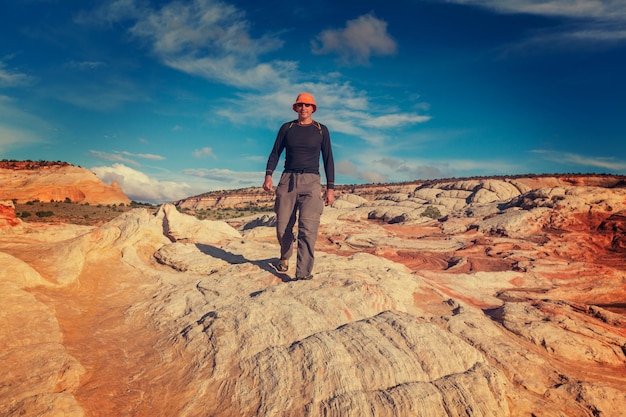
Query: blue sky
{"type": "Point", "coordinates": [175, 98]}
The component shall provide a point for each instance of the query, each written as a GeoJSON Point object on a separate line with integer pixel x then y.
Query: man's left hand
{"type": "Point", "coordinates": [329, 197]}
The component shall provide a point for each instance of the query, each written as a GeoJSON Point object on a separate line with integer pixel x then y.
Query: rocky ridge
{"type": "Point", "coordinates": [23, 181]}
{"type": "Point", "coordinates": [509, 304]}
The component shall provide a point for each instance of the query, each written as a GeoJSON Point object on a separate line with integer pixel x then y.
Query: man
{"type": "Point", "coordinates": [299, 192]}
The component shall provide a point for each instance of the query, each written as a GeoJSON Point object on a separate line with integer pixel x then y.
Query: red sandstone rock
{"type": "Point", "coordinates": [7, 214]}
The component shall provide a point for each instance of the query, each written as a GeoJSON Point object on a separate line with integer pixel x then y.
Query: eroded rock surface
{"type": "Point", "coordinates": [510, 304]}
{"type": "Point", "coordinates": [56, 182]}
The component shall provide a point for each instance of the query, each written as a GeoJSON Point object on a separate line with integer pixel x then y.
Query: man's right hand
{"type": "Point", "coordinates": [268, 185]}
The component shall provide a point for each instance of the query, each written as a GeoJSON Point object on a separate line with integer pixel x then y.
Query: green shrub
{"type": "Point", "coordinates": [44, 213]}
{"type": "Point", "coordinates": [432, 212]}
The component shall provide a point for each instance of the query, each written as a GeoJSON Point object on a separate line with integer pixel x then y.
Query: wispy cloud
{"type": "Point", "coordinates": [111, 12]}
{"type": "Point", "coordinates": [150, 156]}
{"type": "Point", "coordinates": [12, 137]}
{"type": "Point", "coordinates": [19, 128]}
{"type": "Point", "coordinates": [373, 167]}
{"type": "Point", "coordinates": [227, 177]}
{"type": "Point", "coordinates": [115, 156]}
{"type": "Point", "coordinates": [125, 156]}
{"type": "Point", "coordinates": [109, 93]}
{"type": "Point", "coordinates": [344, 109]}
{"type": "Point", "coordinates": [208, 38]}
{"type": "Point", "coordinates": [590, 20]}
{"type": "Point", "coordinates": [12, 78]}
{"type": "Point", "coordinates": [357, 42]}
{"type": "Point", "coordinates": [212, 39]}
{"type": "Point", "coordinates": [597, 9]}
{"type": "Point", "coordinates": [84, 65]}
{"type": "Point", "coordinates": [395, 120]}
{"type": "Point", "coordinates": [204, 153]}
{"type": "Point", "coordinates": [566, 158]}
{"type": "Point", "coordinates": [201, 27]}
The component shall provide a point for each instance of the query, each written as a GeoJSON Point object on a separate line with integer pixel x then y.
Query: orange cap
{"type": "Point", "coordinates": [306, 98]}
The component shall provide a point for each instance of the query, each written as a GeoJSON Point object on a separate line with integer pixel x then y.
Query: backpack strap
{"type": "Point", "coordinates": [319, 126]}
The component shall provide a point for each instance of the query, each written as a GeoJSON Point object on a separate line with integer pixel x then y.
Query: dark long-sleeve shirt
{"type": "Point", "coordinates": [303, 144]}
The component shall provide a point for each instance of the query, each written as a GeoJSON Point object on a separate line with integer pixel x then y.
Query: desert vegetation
{"type": "Point", "coordinates": [75, 213]}
{"type": "Point", "coordinates": [93, 215]}
{"type": "Point", "coordinates": [31, 165]}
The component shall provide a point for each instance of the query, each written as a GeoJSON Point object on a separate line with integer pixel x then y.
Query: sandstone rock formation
{"type": "Point", "coordinates": [510, 304]}
{"type": "Point", "coordinates": [7, 214]}
{"type": "Point", "coordinates": [56, 182]}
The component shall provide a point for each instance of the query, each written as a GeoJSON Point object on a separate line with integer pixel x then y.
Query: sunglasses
{"type": "Point", "coordinates": [303, 104]}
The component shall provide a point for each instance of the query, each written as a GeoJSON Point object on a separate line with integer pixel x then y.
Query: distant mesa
{"type": "Point", "coordinates": [23, 181]}
{"type": "Point", "coordinates": [481, 189]}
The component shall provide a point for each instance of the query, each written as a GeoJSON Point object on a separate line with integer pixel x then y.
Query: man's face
{"type": "Point", "coordinates": [304, 110]}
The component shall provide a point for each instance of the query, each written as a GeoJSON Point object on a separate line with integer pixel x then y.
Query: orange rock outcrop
{"type": "Point", "coordinates": [24, 181]}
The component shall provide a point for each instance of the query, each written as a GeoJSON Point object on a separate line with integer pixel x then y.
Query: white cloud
{"type": "Point", "coordinates": [200, 26]}
{"type": "Point", "coordinates": [140, 187]}
{"type": "Point", "coordinates": [11, 137]}
{"type": "Point", "coordinates": [125, 156]}
{"type": "Point", "coordinates": [144, 155]}
{"type": "Point", "coordinates": [84, 65]}
{"type": "Point", "coordinates": [110, 13]}
{"type": "Point", "coordinates": [346, 167]}
{"type": "Point", "coordinates": [608, 163]}
{"type": "Point", "coordinates": [371, 176]}
{"type": "Point", "coordinates": [601, 9]}
{"type": "Point", "coordinates": [362, 38]}
{"type": "Point", "coordinates": [19, 128]}
{"type": "Point", "coordinates": [256, 158]}
{"type": "Point", "coordinates": [226, 178]}
{"type": "Point", "coordinates": [204, 153]}
{"type": "Point", "coordinates": [108, 93]}
{"type": "Point", "coordinates": [208, 38]}
{"type": "Point", "coordinates": [12, 78]}
{"type": "Point", "coordinates": [376, 166]}
{"type": "Point", "coordinates": [115, 156]}
{"type": "Point", "coordinates": [230, 70]}
{"type": "Point", "coordinates": [211, 39]}
{"type": "Point", "coordinates": [395, 120]}
{"type": "Point", "coordinates": [592, 20]}
{"type": "Point", "coordinates": [341, 107]}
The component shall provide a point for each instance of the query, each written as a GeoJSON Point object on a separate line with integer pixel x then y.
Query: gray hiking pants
{"type": "Point", "coordinates": [298, 195]}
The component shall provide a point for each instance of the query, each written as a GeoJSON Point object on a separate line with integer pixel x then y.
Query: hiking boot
{"type": "Point", "coordinates": [282, 265]}
{"type": "Point", "coordinates": [304, 277]}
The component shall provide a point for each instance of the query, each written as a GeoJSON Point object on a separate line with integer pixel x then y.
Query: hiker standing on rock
{"type": "Point", "coordinates": [299, 192]}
